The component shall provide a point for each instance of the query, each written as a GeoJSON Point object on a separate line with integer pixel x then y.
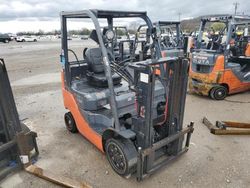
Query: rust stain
{"type": "Point", "coordinates": [201, 88]}
{"type": "Point", "coordinates": [218, 77]}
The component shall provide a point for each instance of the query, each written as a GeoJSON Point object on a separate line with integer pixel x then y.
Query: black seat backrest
{"type": "Point", "coordinates": [95, 60]}
{"type": "Point", "coordinates": [93, 56]}
{"type": "Point", "coordinates": [93, 36]}
{"type": "Point", "coordinates": [95, 74]}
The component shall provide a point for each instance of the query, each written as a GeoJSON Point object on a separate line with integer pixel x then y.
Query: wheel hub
{"type": "Point", "coordinates": [219, 93]}
{"type": "Point", "coordinates": [69, 122]}
{"type": "Point", "coordinates": [117, 157]}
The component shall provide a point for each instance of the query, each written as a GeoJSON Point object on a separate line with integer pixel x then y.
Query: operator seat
{"type": "Point", "coordinates": [95, 73]}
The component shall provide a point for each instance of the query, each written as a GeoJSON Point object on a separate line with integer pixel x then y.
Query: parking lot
{"type": "Point", "coordinates": [212, 161]}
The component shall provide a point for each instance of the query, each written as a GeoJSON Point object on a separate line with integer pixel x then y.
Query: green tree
{"type": "Point", "coordinates": [84, 31]}
{"type": "Point", "coordinates": [40, 32]}
{"type": "Point", "coordinates": [120, 32]}
{"type": "Point", "coordinates": [218, 26]}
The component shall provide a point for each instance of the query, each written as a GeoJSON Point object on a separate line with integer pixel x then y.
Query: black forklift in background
{"type": "Point", "coordinates": [171, 34]}
{"type": "Point", "coordinates": [173, 43]}
{"type": "Point", "coordinates": [135, 117]}
{"type": "Point", "coordinates": [18, 145]}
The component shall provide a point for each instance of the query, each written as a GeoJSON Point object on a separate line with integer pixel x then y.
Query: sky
{"type": "Point", "coordinates": [32, 15]}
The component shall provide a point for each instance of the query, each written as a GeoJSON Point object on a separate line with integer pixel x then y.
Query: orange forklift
{"type": "Point", "coordinates": [136, 120]}
{"type": "Point", "coordinates": [220, 62]}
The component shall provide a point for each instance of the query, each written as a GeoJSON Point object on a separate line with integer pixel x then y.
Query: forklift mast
{"type": "Point", "coordinates": [165, 134]}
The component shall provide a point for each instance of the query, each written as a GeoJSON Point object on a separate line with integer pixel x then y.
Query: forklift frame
{"type": "Point", "coordinates": [172, 83]}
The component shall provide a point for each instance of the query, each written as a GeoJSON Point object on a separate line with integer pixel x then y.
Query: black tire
{"type": "Point", "coordinates": [23, 40]}
{"type": "Point", "coordinates": [6, 41]}
{"type": "Point", "coordinates": [218, 93]}
{"type": "Point", "coordinates": [35, 40]}
{"type": "Point", "coordinates": [70, 122]}
{"type": "Point", "coordinates": [211, 93]}
{"type": "Point", "coordinates": [122, 156]}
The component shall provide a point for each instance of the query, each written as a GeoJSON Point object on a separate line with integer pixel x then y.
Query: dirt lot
{"type": "Point", "coordinates": [212, 161]}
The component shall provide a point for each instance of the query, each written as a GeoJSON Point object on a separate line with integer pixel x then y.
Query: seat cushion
{"type": "Point", "coordinates": [94, 98]}
{"type": "Point", "coordinates": [100, 80]}
{"type": "Point", "coordinates": [233, 65]}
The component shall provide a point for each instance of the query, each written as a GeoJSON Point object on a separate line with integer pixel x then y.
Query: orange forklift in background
{"type": "Point", "coordinates": [220, 63]}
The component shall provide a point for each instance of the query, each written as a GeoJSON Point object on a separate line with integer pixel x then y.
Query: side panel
{"type": "Point", "coordinates": [202, 82]}
{"type": "Point", "coordinates": [82, 125]}
{"type": "Point", "coordinates": [235, 85]}
{"type": "Point", "coordinates": [247, 53]}
{"type": "Point", "coordinates": [219, 75]}
{"type": "Point", "coordinates": [216, 76]}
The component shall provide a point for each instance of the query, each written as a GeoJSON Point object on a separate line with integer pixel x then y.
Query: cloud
{"type": "Point", "coordinates": [167, 9]}
{"type": "Point", "coordinates": [170, 9]}
{"type": "Point", "coordinates": [48, 10]}
{"type": "Point", "coordinates": [10, 10]}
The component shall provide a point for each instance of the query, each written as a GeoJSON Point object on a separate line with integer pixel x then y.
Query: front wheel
{"type": "Point", "coordinates": [70, 122]}
{"type": "Point", "coordinates": [218, 93]}
{"type": "Point", "coordinates": [6, 41]}
{"type": "Point", "coordinates": [122, 156]}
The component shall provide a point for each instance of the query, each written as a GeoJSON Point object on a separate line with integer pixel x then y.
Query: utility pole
{"type": "Point", "coordinates": [236, 4]}
{"type": "Point", "coordinates": [179, 14]}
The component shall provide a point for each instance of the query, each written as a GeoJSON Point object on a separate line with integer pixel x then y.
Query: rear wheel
{"type": "Point", "coordinates": [122, 156]}
{"type": "Point", "coordinates": [218, 93]}
{"type": "Point", "coordinates": [70, 122]}
{"type": "Point", "coordinates": [6, 41]}
{"type": "Point", "coordinates": [211, 93]}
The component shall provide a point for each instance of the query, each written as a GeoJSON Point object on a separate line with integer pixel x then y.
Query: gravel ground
{"type": "Point", "coordinates": [212, 161]}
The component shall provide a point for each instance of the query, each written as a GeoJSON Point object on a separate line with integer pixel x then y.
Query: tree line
{"type": "Point", "coordinates": [194, 24]}
{"type": "Point", "coordinates": [83, 31]}
{"type": "Point", "coordinates": [186, 25]}
{"type": "Point", "coordinates": [40, 32]}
